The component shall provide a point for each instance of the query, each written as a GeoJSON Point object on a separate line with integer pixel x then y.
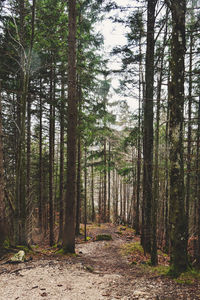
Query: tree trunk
{"type": "Point", "coordinates": [109, 183]}
{"type": "Point", "coordinates": [148, 127]}
{"type": "Point", "coordinates": [105, 182]}
{"type": "Point", "coordinates": [178, 235]}
{"type": "Point", "coordinates": [62, 127]}
{"type": "Point", "coordinates": [166, 226]}
{"type": "Point", "coordinates": [154, 256]}
{"type": "Point", "coordinates": [92, 192]}
{"type": "Point", "coordinates": [139, 156]}
{"type": "Point", "coordinates": [28, 168]}
{"type": "Point", "coordinates": [40, 200]}
{"type": "Point", "coordinates": [2, 204]}
{"type": "Point", "coordinates": [85, 195]}
{"type": "Point", "coordinates": [189, 138]}
{"type": "Point", "coordinates": [70, 199]}
{"type": "Point", "coordinates": [197, 189]}
{"type": "Point", "coordinates": [51, 159]}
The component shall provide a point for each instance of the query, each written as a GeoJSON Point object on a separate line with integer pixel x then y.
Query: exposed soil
{"type": "Point", "coordinates": [100, 271]}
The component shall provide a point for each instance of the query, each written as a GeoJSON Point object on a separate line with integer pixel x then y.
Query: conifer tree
{"type": "Point", "coordinates": [70, 198]}
{"type": "Point", "coordinates": [178, 228]}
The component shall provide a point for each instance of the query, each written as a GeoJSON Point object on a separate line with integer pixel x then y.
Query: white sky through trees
{"type": "Point", "coordinates": [114, 36]}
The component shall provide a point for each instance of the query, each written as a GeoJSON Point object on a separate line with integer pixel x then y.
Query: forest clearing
{"type": "Point", "coordinates": [100, 270]}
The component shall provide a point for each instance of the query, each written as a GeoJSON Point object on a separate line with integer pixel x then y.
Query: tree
{"type": "Point", "coordinates": [148, 128]}
{"type": "Point", "coordinates": [2, 204]}
{"type": "Point", "coordinates": [70, 198]}
{"type": "Point", "coordinates": [178, 228]}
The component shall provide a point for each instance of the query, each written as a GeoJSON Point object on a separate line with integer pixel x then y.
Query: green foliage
{"type": "Point", "coordinates": [159, 270]}
{"type": "Point", "coordinates": [6, 244]}
{"type": "Point", "coordinates": [89, 269]}
{"type": "Point", "coordinates": [63, 252]}
{"type": "Point", "coordinates": [131, 248]}
{"type": "Point", "coordinates": [24, 248]}
{"type": "Point", "coordinates": [188, 277]}
{"type": "Point", "coordinates": [174, 273]}
{"type": "Point", "coordinates": [103, 237]}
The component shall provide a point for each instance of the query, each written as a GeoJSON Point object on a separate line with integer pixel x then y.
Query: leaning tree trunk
{"type": "Point", "coordinates": [25, 62]}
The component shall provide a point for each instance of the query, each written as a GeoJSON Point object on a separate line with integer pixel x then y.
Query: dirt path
{"type": "Point", "coordinates": [99, 272]}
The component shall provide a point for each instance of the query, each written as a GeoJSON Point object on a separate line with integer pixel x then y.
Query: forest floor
{"type": "Point", "coordinates": [108, 270]}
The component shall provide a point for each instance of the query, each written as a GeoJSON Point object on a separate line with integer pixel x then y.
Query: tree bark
{"type": "Point", "coordinates": [70, 199]}
{"type": "Point", "coordinates": [2, 204]}
{"type": "Point", "coordinates": [40, 199]}
{"type": "Point", "coordinates": [178, 235]}
{"type": "Point", "coordinates": [148, 127]}
{"type": "Point", "coordinates": [62, 131]}
{"type": "Point", "coordinates": [197, 183]}
{"type": "Point", "coordinates": [51, 159]}
{"type": "Point", "coordinates": [92, 192]}
{"type": "Point", "coordinates": [189, 138]}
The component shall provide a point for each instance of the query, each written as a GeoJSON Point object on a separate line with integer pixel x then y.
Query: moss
{"type": "Point", "coordinates": [180, 281]}
{"type": "Point", "coordinates": [125, 228]}
{"type": "Point", "coordinates": [162, 253]}
{"type": "Point", "coordinates": [130, 248]}
{"type": "Point", "coordinates": [6, 244]}
{"type": "Point", "coordinates": [133, 263]}
{"type": "Point", "coordinates": [103, 237]}
{"type": "Point", "coordinates": [89, 269]}
{"type": "Point", "coordinates": [161, 270]}
{"type": "Point", "coordinates": [122, 228]}
{"type": "Point", "coordinates": [188, 277]}
{"type": "Point", "coordinates": [119, 232]}
{"type": "Point", "coordinates": [24, 248]}
{"type": "Point", "coordinates": [62, 252]}
{"type": "Point", "coordinates": [88, 238]}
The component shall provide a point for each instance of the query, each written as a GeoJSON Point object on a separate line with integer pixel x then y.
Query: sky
{"type": "Point", "coordinates": [114, 35]}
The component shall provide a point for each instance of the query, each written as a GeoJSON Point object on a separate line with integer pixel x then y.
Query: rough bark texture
{"type": "Point", "coordinates": [78, 196]}
{"type": "Point", "coordinates": [139, 146]}
{"type": "Point", "coordinates": [2, 204]}
{"type": "Point", "coordinates": [109, 181]}
{"type": "Point", "coordinates": [62, 127]}
{"type": "Point", "coordinates": [40, 199]}
{"type": "Point", "coordinates": [178, 245]}
{"type": "Point", "coordinates": [51, 160]}
{"type": "Point", "coordinates": [197, 185]}
{"type": "Point", "coordinates": [189, 137]}
{"type": "Point", "coordinates": [148, 127]}
{"type": "Point", "coordinates": [70, 199]}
